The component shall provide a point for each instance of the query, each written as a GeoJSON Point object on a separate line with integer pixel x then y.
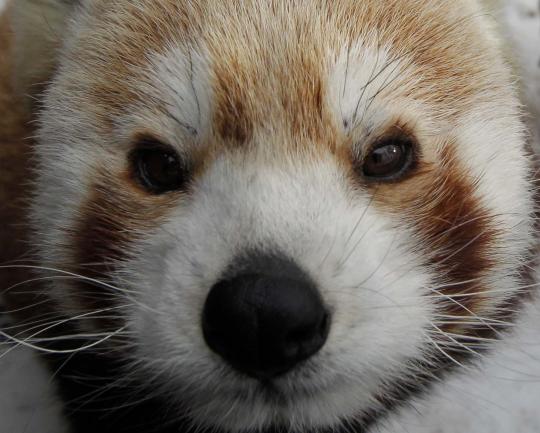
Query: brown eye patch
{"type": "Point", "coordinates": [456, 232]}
{"type": "Point", "coordinates": [157, 167]}
{"type": "Point", "coordinates": [111, 220]}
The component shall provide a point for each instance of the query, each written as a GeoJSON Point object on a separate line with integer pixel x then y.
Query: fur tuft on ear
{"type": "Point", "coordinates": [38, 26]}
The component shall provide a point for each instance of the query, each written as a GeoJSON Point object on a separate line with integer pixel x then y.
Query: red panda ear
{"type": "Point", "coordinates": [38, 26]}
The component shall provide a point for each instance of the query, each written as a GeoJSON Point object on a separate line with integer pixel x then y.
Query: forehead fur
{"type": "Point", "coordinates": [277, 56]}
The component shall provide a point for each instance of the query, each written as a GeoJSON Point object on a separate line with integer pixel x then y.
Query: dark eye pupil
{"type": "Point", "coordinates": [158, 168]}
{"type": "Point", "coordinates": [387, 160]}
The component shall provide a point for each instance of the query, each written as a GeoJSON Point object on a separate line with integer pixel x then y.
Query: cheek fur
{"type": "Point", "coordinates": [456, 234]}
{"type": "Point", "coordinates": [114, 217]}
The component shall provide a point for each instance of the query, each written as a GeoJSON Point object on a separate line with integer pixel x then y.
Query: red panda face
{"type": "Point", "coordinates": [290, 214]}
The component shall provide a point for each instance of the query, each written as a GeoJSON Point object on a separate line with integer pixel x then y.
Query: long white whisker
{"type": "Point", "coordinates": [66, 351]}
{"type": "Point", "coordinates": [25, 341]}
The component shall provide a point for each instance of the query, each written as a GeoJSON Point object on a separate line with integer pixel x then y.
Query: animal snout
{"type": "Point", "coordinates": [265, 319]}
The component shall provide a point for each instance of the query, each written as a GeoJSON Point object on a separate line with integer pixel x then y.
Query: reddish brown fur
{"type": "Point", "coordinates": [117, 213]}
{"type": "Point", "coordinates": [439, 203]}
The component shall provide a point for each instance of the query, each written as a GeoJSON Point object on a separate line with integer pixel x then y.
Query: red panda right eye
{"type": "Point", "coordinates": [389, 161]}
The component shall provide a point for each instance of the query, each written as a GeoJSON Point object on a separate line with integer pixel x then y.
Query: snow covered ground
{"type": "Point", "coordinates": [503, 397]}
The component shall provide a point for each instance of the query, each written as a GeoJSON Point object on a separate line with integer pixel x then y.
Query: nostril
{"type": "Point", "coordinates": [306, 340]}
{"type": "Point", "coordinates": [324, 327]}
{"type": "Point", "coordinates": [294, 342]}
{"type": "Point", "coordinates": [299, 336]}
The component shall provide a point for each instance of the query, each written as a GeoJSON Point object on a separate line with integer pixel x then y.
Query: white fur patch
{"type": "Point", "coordinates": [366, 85]}
{"type": "Point", "coordinates": [177, 81]}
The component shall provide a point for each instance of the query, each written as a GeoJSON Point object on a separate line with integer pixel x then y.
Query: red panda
{"type": "Point", "coordinates": [265, 216]}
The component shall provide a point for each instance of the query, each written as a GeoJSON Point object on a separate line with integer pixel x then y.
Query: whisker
{"type": "Point", "coordinates": [66, 351]}
{"type": "Point", "coordinates": [52, 326]}
{"type": "Point", "coordinates": [445, 354]}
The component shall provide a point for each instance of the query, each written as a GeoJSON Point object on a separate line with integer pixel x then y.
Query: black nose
{"type": "Point", "coordinates": [266, 319]}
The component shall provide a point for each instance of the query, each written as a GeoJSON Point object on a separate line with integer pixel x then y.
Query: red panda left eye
{"type": "Point", "coordinates": [158, 167]}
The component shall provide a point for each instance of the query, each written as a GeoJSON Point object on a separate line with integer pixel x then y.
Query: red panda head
{"type": "Point", "coordinates": [290, 214]}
